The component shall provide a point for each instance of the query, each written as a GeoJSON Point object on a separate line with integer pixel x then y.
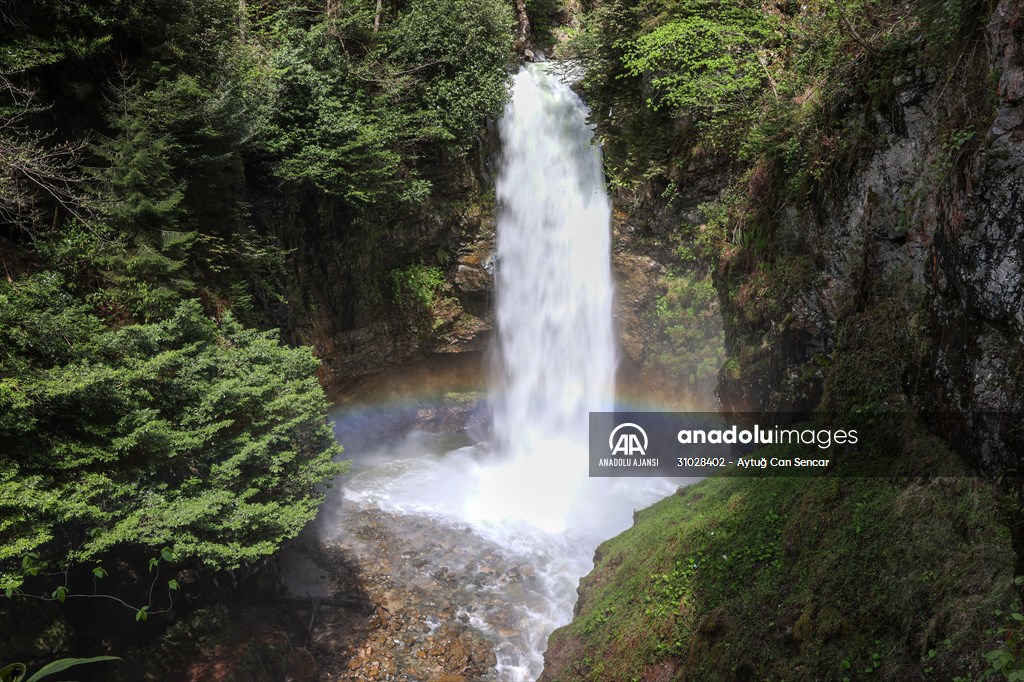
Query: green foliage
{"type": "Point", "coordinates": [138, 194]}
{"type": "Point", "coordinates": [15, 672]}
{"type": "Point", "coordinates": [139, 205]}
{"type": "Point", "coordinates": [417, 285]}
{"type": "Point", "coordinates": [357, 107]}
{"type": "Point", "coordinates": [707, 58]}
{"type": "Point", "coordinates": [186, 433]}
{"type": "Point", "coordinates": [331, 129]}
{"type": "Point", "coordinates": [689, 346]}
{"type": "Point", "coordinates": [544, 16]}
{"type": "Point", "coordinates": [770, 573]}
{"type": "Point", "coordinates": [459, 51]}
{"type": "Point", "coordinates": [761, 81]}
{"type": "Point", "coordinates": [137, 415]}
{"type": "Point", "coordinates": [1007, 660]}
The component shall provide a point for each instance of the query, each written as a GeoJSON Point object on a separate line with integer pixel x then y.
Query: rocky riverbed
{"type": "Point", "coordinates": [406, 598]}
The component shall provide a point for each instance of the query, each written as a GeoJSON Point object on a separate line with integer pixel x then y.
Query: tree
{"type": "Point", "coordinates": [34, 170]}
{"type": "Point", "coordinates": [203, 437]}
{"type": "Point", "coordinates": [708, 56]}
{"type": "Point", "coordinates": [139, 203]}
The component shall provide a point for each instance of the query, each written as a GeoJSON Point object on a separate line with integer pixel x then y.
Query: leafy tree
{"type": "Point", "coordinates": [708, 56]}
{"type": "Point", "coordinates": [360, 104]}
{"type": "Point", "coordinates": [196, 435]}
{"type": "Point", "coordinates": [458, 53]}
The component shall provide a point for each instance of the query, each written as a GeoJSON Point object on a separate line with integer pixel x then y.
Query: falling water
{"type": "Point", "coordinates": [556, 350]}
{"type": "Point", "coordinates": [525, 498]}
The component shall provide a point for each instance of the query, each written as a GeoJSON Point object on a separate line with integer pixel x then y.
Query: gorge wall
{"type": "Point", "coordinates": [904, 273]}
{"type": "Point", "coordinates": [369, 292]}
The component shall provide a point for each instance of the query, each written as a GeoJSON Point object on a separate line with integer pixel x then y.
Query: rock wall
{"type": "Point", "coordinates": [643, 265]}
{"type": "Point", "coordinates": [341, 297]}
{"type": "Point", "coordinates": [924, 236]}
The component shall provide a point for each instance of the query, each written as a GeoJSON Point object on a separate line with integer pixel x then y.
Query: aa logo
{"type": "Point", "coordinates": [628, 439]}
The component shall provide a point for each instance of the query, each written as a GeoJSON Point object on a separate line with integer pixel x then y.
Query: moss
{"type": "Point", "coordinates": [798, 579]}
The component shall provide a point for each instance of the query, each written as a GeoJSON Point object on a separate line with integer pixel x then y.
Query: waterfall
{"type": "Point", "coordinates": [556, 351]}
{"type": "Point", "coordinates": [517, 520]}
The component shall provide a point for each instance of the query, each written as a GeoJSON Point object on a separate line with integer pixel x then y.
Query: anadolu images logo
{"type": "Point", "coordinates": [629, 440]}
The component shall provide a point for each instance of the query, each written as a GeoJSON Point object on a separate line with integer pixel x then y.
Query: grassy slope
{"type": "Point", "coordinates": [797, 579]}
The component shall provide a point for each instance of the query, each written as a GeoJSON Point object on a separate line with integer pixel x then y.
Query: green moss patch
{"type": "Point", "coordinates": [797, 579]}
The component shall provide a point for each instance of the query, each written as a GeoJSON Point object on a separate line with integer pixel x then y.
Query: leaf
{"type": "Point", "coordinates": [142, 614]}
{"type": "Point", "coordinates": [1018, 616]}
{"type": "Point", "coordinates": [173, 584]}
{"type": "Point", "coordinates": [60, 593]}
{"type": "Point", "coordinates": [99, 572]}
{"type": "Point", "coordinates": [167, 554]}
{"type": "Point", "coordinates": [65, 663]}
{"type": "Point", "coordinates": [14, 672]}
{"type": "Point", "coordinates": [153, 563]}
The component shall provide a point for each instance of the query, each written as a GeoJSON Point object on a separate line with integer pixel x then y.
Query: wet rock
{"type": "Point", "coordinates": [419, 628]}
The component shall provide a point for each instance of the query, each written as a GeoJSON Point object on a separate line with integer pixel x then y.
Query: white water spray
{"type": "Point", "coordinates": [556, 349]}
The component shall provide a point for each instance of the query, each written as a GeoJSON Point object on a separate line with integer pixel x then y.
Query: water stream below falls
{"type": "Point", "coordinates": [488, 530]}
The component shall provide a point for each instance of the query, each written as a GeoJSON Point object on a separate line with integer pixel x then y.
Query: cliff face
{"type": "Point", "coordinates": [907, 270]}
{"type": "Point", "coordinates": [346, 295]}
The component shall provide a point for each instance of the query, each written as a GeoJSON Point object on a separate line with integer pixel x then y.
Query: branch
{"type": "Point", "coordinates": [853, 32]}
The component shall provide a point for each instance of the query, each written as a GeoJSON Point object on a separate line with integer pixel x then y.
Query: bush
{"type": "Point", "coordinates": [187, 433]}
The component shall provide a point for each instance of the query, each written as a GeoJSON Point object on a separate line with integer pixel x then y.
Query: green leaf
{"type": "Point", "coordinates": [153, 564]}
{"type": "Point", "coordinates": [99, 572]}
{"type": "Point", "coordinates": [60, 593]}
{"type": "Point", "coordinates": [142, 614]}
{"type": "Point", "coordinates": [65, 663]}
{"type": "Point", "coordinates": [173, 584]}
{"type": "Point", "coordinates": [15, 672]}
{"type": "Point", "coordinates": [166, 554]}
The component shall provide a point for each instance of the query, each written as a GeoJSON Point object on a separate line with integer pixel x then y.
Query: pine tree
{"type": "Point", "coordinates": [140, 203]}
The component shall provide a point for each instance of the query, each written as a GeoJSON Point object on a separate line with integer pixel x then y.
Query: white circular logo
{"type": "Point", "coordinates": [628, 441]}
